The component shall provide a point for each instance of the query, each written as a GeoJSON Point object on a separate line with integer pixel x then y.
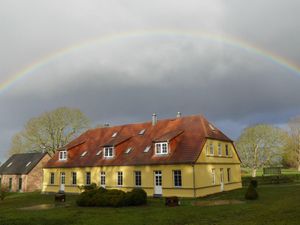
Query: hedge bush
{"type": "Point", "coordinates": [113, 198]}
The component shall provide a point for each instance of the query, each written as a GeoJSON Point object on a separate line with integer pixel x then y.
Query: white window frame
{"type": "Point", "coordinates": [119, 178]}
{"type": "Point", "coordinates": [213, 175]}
{"type": "Point", "coordinates": [138, 176]}
{"type": "Point", "coordinates": [228, 175]}
{"type": "Point", "coordinates": [219, 149]}
{"type": "Point", "coordinates": [102, 179]}
{"type": "Point", "coordinates": [63, 155]}
{"type": "Point", "coordinates": [161, 148]}
{"type": "Point", "coordinates": [52, 181]}
{"type": "Point", "coordinates": [211, 149]}
{"type": "Point", "coordinates": [74, 173]}
{"type": "Point", "coordinates": [109, 152]}
{"type": "Point", "coordinates": [177, 174]}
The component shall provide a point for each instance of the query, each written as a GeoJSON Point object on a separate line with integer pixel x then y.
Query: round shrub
{"type": "Point", "coordinates": [136, 197]}
{"type": "Point", "coordinates": [251, 193]}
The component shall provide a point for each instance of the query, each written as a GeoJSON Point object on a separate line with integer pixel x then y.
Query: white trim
{"type": "Point", "coordinates": [161, 148]}
{"type": "Point", "coordinates": [109, 152]}
{"type": "Point", "coordinates": [63, 155]}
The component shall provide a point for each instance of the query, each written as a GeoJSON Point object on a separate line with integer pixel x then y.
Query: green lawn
{"type": "Point", "coordinates": [278, 204]}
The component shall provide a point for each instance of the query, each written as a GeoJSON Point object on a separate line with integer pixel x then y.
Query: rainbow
{"type": "Point", "coordinates": [226, 39]}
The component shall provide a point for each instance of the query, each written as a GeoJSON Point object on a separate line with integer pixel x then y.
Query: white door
{"type": "Point", "coordinates": [62, 181]}
{"type": "Point", "coordinates": [222, 179]}
{"type": "Point", "coordinates": [157, 183]}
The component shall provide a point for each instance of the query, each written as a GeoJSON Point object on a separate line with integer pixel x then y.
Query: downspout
{"type": "Point", "coordinates": [194, 180]}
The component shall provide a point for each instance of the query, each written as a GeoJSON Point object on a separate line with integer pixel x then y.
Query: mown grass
{"type": "Point", "coordinates": [277, 204]}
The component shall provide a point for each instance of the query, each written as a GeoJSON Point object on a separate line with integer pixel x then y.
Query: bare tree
{"type": "Point", "coordinates": [50, 131]}
{"type": "Point", "coordinates": [261, 145]}
{"type": "Point", "coordinates": [292, 154]}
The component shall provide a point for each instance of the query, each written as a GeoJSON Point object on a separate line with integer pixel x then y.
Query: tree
{"type": "Point", "coordinates": [50, 131]}
{"type": "Point", "coordinates": [261, 145]}
{"type": "Point", "coordinates": [292, 151]}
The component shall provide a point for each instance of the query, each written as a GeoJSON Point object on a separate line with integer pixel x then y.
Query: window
{"type": "Point", "coordinates": [114, 134]}
{"type": "Point", "coordinates": [28, 164]}
{"type": "Point", "coordinates": [207, 150]}
{"type": "Point", "coordinates": [128, 150]}
{"type": "Point", "coordinates": [142, 132]}
{"type": "Point", "coordinates": [228, 175]}
{"type": "Point", "coordinates": [74, 178]}
{"type": "Point", "coordinates": [51, 178]}
{"type": "Point", "coordinates": [9, 164]}
{"type": "Point", "coordinates": [83, 154]}
{"type": "Point", "coordinates": [120, 178]}
{"type": "Point", "coordinates": [147, 149]}
{"type": "Point", "coordinates": [20, 183]}
{"type": "Point", "coordinates": [99, 152]}
{"type": "Point", "coordinates": [211, 149]}
{"type": "Point", "coordinates": [219, 149]}
{"type": "Point", "coordinates": [177, 178]}
{"type": "Point", "coordinates": [226, 150]}
{"type": "Point", "coordinates": [88, 178]}
{"type": "Point", "coordinates": [108, 152]}
{"type": "Point", "coordinates": [213, 175]}
{"type": "Point", "coordinates": [62, 177]}
{"type": "Point", "coordinates": [138, 178]}
{"type": "Point", "coordinates": [211, 127]}
{"type": "Point", "coordinates": [63, 155]}
{"type": "Point", "coordinates": [10, 184]}
{"type": "Point", "coordinates": [161, 148]}
{"type": "Point", "coordinates": [102, 178]}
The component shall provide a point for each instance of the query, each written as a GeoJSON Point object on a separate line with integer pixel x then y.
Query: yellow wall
{"type": "Point", "coordinates": [196, 179]}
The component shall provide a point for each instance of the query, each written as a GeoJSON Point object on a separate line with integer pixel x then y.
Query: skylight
{"type": "Point", "coordinates": [128, 150]}
{"type": "Point", "coordinates": [83, 154]}
{"type": "Point", "coordinates": [142, 132]}
{"type": "Point", "coordinates": [99, 152]}
{"type": "Point", "coordinates": [9, 164]}
{"type": "Point", "coordinates": [28, 163]}
{"type": "Point", "coordinates": [114, 134]}
{"type": "Point", "coordinates": [211, 127]}
{"type": "Point", "coordinates": [147, 149]}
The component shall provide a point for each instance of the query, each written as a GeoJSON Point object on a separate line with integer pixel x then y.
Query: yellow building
{"type": "Point", "coordinates": [183, 156]}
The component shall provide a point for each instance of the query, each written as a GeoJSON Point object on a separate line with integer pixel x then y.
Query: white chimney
{"type": "Point", "coordinates": [154, 119]}
{"type": "Point", "coordinates": [178, 115]}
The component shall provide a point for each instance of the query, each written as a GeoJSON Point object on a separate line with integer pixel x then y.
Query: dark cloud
{"type": "Point", "coordinates": [126, 80]}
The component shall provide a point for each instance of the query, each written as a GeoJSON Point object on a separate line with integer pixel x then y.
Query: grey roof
{"type": "Point", "coordinates": [19, 163]}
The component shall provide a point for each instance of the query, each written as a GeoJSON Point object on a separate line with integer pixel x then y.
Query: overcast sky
{"type": "Point", "coordinates": [127, 78]}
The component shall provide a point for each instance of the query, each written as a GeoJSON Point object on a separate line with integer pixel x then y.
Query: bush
{"type": "Point", "coordinates": [113, 198]}
{"type": "Point", "coordinates": [136, 197]}
{"type": "Point", "coordinates": [3, 192]}
{"type": "Point", "coordinates": [254, 183]}
{"type": "Point", "coordinates": [251, 193]}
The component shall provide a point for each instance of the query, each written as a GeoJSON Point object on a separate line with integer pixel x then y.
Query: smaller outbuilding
{"type": "Point", "coordinates": [23, 172]}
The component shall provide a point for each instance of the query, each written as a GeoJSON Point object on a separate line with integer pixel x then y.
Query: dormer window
{"type": "Point", "coordinates": [114, 134]}
{"type": "Point", "coordinates": [161, 148]}
{"type": "Point", "coordinates": [63, 155]}
{"type": "Point", "coordinates": [108, 152]}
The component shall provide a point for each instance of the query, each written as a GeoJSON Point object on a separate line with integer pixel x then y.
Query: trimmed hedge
{"type": "Point", "coordinates": [102, 197]}
{"type": "Point", "coordinates": [269, 179]}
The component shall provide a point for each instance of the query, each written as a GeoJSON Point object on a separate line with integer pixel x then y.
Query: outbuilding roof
{"type": "Point", "coordinates": [186, 137]}
{"type": "Point", "coordinates": [21, 163]}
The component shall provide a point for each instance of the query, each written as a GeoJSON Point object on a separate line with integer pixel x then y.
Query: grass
{"type": "Point", "coordinates": [277, 204]}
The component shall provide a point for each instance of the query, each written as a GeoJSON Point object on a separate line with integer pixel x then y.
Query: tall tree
{"type": "Point", "coordinates": [261, 145]}
{"type": "Point", "coordinates": [50, 131]}
{"type": "Point", "coordinates": [292, 153]}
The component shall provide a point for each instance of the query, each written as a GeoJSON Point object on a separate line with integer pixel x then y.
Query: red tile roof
{"type": "Point", "coordinates": [186, 135]}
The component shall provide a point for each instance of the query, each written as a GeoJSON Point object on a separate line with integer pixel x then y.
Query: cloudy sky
{"type": "Point", "coordinates": [121, 60]}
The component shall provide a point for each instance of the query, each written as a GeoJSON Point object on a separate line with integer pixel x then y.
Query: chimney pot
{"type": "Point", "coordinates": [154, 119]}
{"type": "Point", "coordinates": [178, 114]}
